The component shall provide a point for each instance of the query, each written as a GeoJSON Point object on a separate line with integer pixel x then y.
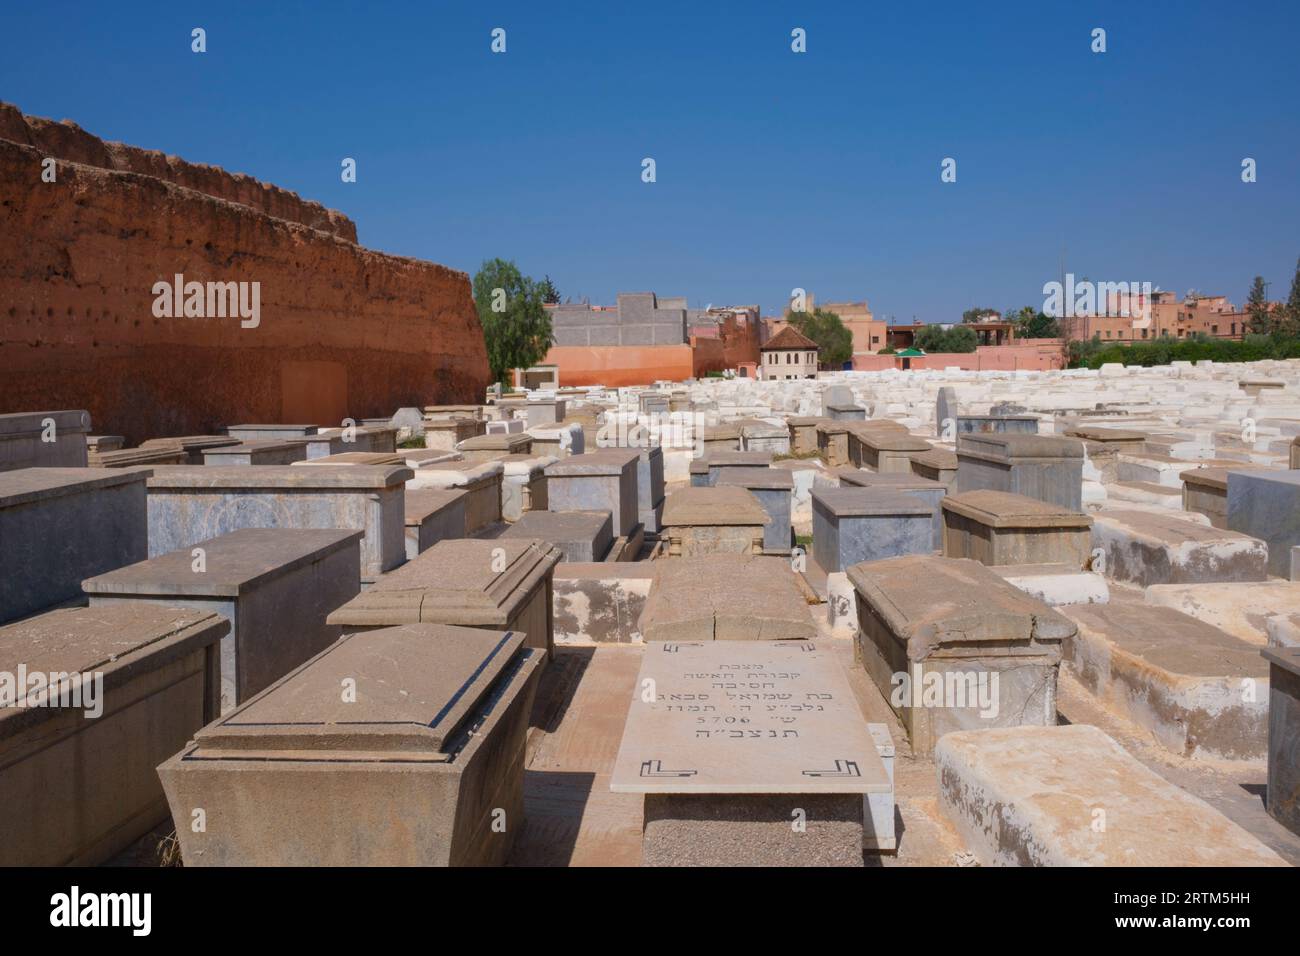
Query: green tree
{"type": "Point", "coordinates": [978, 315]}
{"type": "Point", "coordinates": [834, 340]}
{"type": "Point", "coordinates": [933, 338]}
{"type": "Point", "coordinates": [1257, 310]}
{"type": "Point", "coordinates": [1041, 326]}
{"type": "Point", "coordinates": [550, 294]}
{"type": "Point", "coordinates": [1290, 319]}
{"type": "Point", "coordinates": [516, 328]}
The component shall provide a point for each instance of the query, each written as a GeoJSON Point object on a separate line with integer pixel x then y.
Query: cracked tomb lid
{"type": "Point", "coordinates": [464, 581]}
{"type": "Point", "coordinates": [416, 686]}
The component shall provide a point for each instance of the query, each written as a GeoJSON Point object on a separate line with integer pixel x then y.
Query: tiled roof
{"type": "Point", "coordinates": [790, 338]}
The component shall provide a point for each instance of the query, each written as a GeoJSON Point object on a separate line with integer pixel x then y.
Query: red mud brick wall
{"type": "Point", "coordinates": [344, 330]}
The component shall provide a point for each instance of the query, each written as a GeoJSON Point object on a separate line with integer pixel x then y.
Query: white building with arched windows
{"type": "Point", "coordinates": [788, 354]}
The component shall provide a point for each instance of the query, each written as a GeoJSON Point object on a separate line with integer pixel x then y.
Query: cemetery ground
{"type": "Point", "coordinates": [926, 619]}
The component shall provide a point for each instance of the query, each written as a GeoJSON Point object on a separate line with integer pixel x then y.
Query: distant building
{"type": "Point", "coordinates": [1131, 319]}
{"type": "Point", "coordinates": [789, 354]}
{"type": "Point", "coordinates": [869, 333]}
{"type": "Point", "coordinates": [645, 338]}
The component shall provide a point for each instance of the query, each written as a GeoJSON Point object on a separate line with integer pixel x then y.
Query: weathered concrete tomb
{"type": "Point", "coordinates": [937, 464]}
{"type": "Point", "coordinates": [930, 491]}
{"type": "Point", "coordinates": [275, 586]}
{"type": "Point", "coordinates": [257, 451]}
{"type": "Point", "coordinates": [726, 597]}
{"type": "Point", "coordinates": [61, 525]}
{"type": "Point", "coordinates": [578, 535]}
{"type": "Point", "coordinates": [134, 682]}
{"type": "Point", "coordinates": [1029, 796]}
{"type": "Point", "coordinates": [884, 451]}
{"type": "Point", "coordinates": [774, 489]}
{"type": "Point", "coordinates": [444, 434]}
{"type": "Point", "coordinates": [495, 446]}
{"type": "Point", "coordinates": [722, 520]}
{"type": "Point", "coordinates": [1046, 467]}
{"type": "Point", "coordinates": [725, 793]}
{"type": "Point", "coordinates": [44, 439]}
{"type": "Point", "coordinates": [997, 527]}
{"type": "Point", "coordinates": [1284, 735]}
{"type": "Point", "coordinates": [498, 585]}
{"type": "Point", "coordinates": [952, 646]}
{"type": "Point", "coordinates": [855, 524]}
{"type": "Point", "coordinates": [422, 766]}
{"type": "Point", "coordinates": [432, 515]}
{"type": "Point", "coordinates": [605, 480]}
{"type": "Point", "coordinates": [1145, 548]}
{"type": "Point", "coordinates": [1201, 693]}
{"type": "Point", "coordinates": [193, 446]}
{"type": "Point", "coordinates": [1266, 505]}
{"type": "Point", "coordinates": [480, 482]}
{"type": "Point", "coordinates": [189, 505]}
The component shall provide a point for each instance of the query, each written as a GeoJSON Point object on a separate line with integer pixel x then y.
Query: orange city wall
{"type": "Point", "coordinates": [343, 332]}
{"type": "Point", "coordinates": [1040, 355]}
{"type": "Point", "coordinates": [615, 365]}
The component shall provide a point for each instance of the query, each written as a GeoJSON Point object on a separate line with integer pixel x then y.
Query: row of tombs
{"type": "Point", "coordinates": [286, 646]}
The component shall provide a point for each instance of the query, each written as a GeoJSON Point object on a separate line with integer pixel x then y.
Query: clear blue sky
{"type": "Point", "coordinates": [775, 169]}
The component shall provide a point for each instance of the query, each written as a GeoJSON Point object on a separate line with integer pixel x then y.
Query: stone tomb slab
{"type": "Point", "coordinates": [481, 482]}
{"type": "Point", "coordinates": [937, 464]}
{"type": "Point", "coordinates": [722, 520]}
{"type": "Point", "coordinates": [495, 446]}
{"type": "Point", "coordinates": [354, 458]}
{"type": "Point", "coordinates": [192, 445]}
{"type": "Point", "coordinates": [718, 460]}
{"type": "Point", "coordinates": [433, 515]}
{"type": "Point", "coordinates": [523, 485]}
{"type": "Point", "coordinates": [952, 646]}
{"type": "Point", "coordinates": [597, 481]}
{"type": "Point", "coordinates": [1266, 505]}
{"type": "Point", "coordinates": [1145, 548]}
{"type": "Point", "coordinates": [1026, 796]}
{"type": "Point", "coordinates": [1284, 735]}
{"type": "Point", "coordinates": [774, 489]}
{"type": "Point", "coordinates": [256, 452]}
{"type": "Point", "coordinates": [1242, 609]}
{"type": "Point", "coordinates": [412, 772]}
{"type": "Point", "coordinates": [650, 488]}
{"type": "Point", "coordinates": [851, 525]}
{"type": "Point", "coordinates": [1046, 467]}
{"type": "Point", "coordinates": [1205, 490]}
{"type": "Point", "coordinates": [275, 586]}
{"type": "Point", "coordinates": [736, 739]}
{"type": "Point", "coordinates": [579, 535]}
{"type": "Point", "coordinates": [601, 602]}
{"type": "Point", "coordinates": [803, 433]}
{"type": "Point", "coordinates": [270, 431]}
{"type": "Point", "coordinates": [930, 491]}
{"type": "Point", "coordinates": [726, 597]}
{"type": "Point", "coordinates": [59, 526]}
{"type": "Point", "coordinates": [137, 457]}
{"type": "Point", "coordinates": [1200, 692]}
{"type": "Point", "coordinates": [80, 787]}
{"type": "Point", "coordinates": [888, 452]}
{"type": "Point", "coordinates": [189, 505]}
{"type": "Point", "coordinates": [25, 439]}
{"type": "Point", "coordinates": [997, 527]}
{"type": "Point", "coordinates": [502, 584]}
